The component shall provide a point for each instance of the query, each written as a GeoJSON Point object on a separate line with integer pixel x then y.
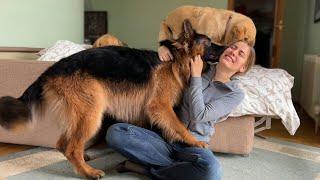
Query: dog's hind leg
{"type": "Point", "coordinates": [62, 145]}
{"type": "Point", "coordinates": [87, 121]}
{"type": "Point", "coordinates": [172, 128]}
{"type": "Point", "coordinates": [85, 130]}
{"type": "Point", "coordinates": [77, 103]}
{"type": "Point", "coordinates": [75, 149]}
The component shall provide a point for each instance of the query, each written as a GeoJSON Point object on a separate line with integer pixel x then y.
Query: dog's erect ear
{"type": "Point", "coordinates": [96, 43]}
{"type": "Point", "coordinates": [188, 30]}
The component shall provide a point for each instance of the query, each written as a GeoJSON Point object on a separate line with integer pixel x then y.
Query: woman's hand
{"type": "Point", "coordinates": [164, 53]}
{"type": "Point", "coordinates": [196, 66]}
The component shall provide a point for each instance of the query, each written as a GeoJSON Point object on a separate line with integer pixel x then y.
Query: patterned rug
{"type": "Point", "coordinates": [270, 159]}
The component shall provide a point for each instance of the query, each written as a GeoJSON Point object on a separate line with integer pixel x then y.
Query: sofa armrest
{"type": "Point", "coordinates": [234, 135]}
{"type": "Point", "coordinates": [17, 75]}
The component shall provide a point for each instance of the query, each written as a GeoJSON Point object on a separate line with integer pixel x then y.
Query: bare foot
{"type": "Point", "coordinates": [128, 166]}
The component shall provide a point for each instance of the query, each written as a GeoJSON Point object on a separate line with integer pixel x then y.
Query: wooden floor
{"type": "Point", "coordinates": [11, 148]}
{"type": "Point", "coordinates": [304, 135]}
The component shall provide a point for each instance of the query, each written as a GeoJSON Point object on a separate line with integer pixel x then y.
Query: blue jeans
{"type": "Point", "coordinates": [166, 161]}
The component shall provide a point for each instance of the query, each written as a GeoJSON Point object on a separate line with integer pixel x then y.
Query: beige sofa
{"type": "Point", "coordinates": [234, 135]}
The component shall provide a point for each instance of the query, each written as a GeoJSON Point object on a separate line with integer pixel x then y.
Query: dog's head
{"type": "Point", "coordinates": [198, 44]}
{"type": "Point", "coordinates": [241, 31]}
{"type": "Point", "coordinates": [107, 40]}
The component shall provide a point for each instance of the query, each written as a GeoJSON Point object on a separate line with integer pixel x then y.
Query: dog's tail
{"type": "Point", "coordinates": [16, 112]}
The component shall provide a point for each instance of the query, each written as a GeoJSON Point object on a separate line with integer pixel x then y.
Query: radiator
{"type": "Point", "coordinates": [310, 87]}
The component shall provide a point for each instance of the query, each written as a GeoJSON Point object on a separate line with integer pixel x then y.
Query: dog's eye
{"type": "Point", "coordinates": [203, 41]}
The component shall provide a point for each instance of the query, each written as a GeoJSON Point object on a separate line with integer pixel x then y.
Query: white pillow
{"type": "Point", "coordinates": [59, 50]}
{"type": "Point", "coordinates": [268, 93]}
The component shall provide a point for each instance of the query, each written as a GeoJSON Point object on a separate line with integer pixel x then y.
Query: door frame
{"type": "Point", "coordinates": [278, 28]}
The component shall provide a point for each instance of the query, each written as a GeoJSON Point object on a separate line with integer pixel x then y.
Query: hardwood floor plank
{"type": "Point", "coordinates": [304, 135]}
{"type": "Point", "coordinates": [6, 149]}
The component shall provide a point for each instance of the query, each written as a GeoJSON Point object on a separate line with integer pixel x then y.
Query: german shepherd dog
{"type": "Point", "coordinates": [128, 84]}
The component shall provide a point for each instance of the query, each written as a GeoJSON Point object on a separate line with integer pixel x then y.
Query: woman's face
{"type": "Point", "coordinates": [235, 57]}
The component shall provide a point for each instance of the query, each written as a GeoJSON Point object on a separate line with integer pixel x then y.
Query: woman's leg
{"type": "Point", "coordinates": [139, 145]}
{"type": "Point", "coordinates": [192, 163]}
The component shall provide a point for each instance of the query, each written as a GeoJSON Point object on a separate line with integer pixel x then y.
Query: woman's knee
{"type": "Point", "coordinates": [207, 163]}
{"type": "Point", "coordinates": [117, 135]}
{"type": "Point", "coordinates": [212, 168]}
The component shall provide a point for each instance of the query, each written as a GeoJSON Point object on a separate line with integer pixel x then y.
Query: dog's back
{"type": "Point", "coordinates": [113, 63]}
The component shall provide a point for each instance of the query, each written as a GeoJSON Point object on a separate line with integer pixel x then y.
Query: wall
{"type": "Point", "coordinates": [137, 22]}
{"type": "Point", "coordinates": [40, 23]}
{"type": "Point", "coordinates": [300, 36]}
{"type": "Point", "coordinates": [292, 48]}
{"type": "Point", "coordinates": [312, 40]}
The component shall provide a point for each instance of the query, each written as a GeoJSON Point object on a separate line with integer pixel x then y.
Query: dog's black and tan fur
{"type": "Point", "coordinates": [128, 84]}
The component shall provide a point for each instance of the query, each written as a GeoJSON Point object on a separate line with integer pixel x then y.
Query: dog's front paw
{"type": "Point", "coordinates": [201, 144]}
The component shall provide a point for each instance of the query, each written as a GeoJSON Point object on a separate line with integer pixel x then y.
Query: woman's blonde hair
{"type": "Point", "coordinates": [251, 59]}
